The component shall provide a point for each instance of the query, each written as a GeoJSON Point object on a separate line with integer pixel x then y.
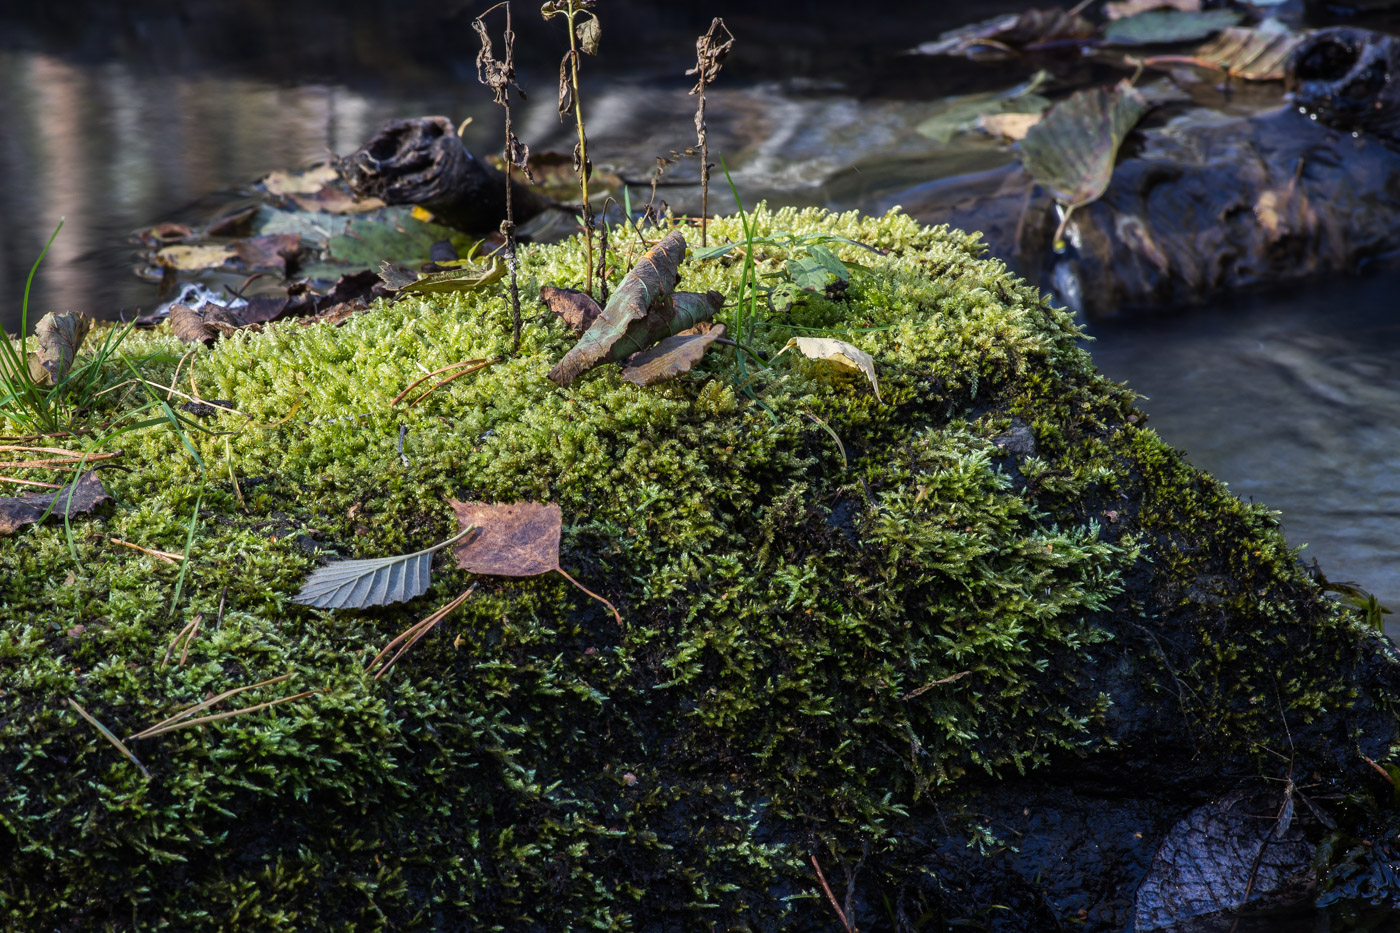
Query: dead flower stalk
{"type": "Point", "coordinates": [583, 38]}
{"type": "Point", "coordinates": [709, 56]}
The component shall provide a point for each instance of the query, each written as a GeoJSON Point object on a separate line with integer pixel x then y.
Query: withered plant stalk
{"type": "Point", "coordinates": [709, 56]}
{"type": "Point", "coordinates": [583, 38]}
{"type": "Point", "coordinates": [499, 76]}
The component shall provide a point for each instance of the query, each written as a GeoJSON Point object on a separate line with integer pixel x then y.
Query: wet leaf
{"type": "Point", "coordinates": [465, 279]}
{"type": "Point", "coordinates": [308, 182]}
{"type": "Point", "coordinates": [566, 90]}
{"type": "Point", "coordinates": [83, 496]}
{"type": "Point", "coordinates": [672, 356]}
{"type": "Point", "coordinates": [1164, 27]}
{"type": "Point", "coordinates": [1009, 126]}
{"type": "Point", "coordinates": [194, 258]}
{"type": "Point", "coordinates": [58, 337]}
{"type": "Point", "coordinates": [519, 539]}
{"type": "Point", "coordinates": [336, 199]}
{"type": "Point", "coordinates": [269, 252]}
{"type": "Point", "coordinates": [1133, 7]}
{"type": "Point", "coordinates": [1071, 151]}
{"type": "Point", "coordinates": [576, 309]}
{"type": "Point", "coordinates": [653, 278]}
{"type": "Point", "coordinates": [357, 584]}
{"type": "Point", "coordinates": [589, 32]}
{"type": "Point", "coordinates": [962, 114]}
{"type": "Point", "coordinates": [838, 353]}
{"type": "Point", "coordinates": [1009, 33]}
{"type": "Point", "coordinates": [394, 235]}
{"type": "Point", "coordinates": [1257, 54]}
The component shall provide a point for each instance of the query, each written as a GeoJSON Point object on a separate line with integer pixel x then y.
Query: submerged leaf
{"type": "Point", "coordinates": [672, 356]}
{"type": "Point", "coordinates": [576, 309]}
{"type": "Point", "coordinates": [1164, 27]}
{"type": "Point", "coordinates": [961, 114]}
{"type": "Point", "coordinates": [83, 496]}
{"type": "Point", "coordinates": [357, 584]}
{"type": "Point", "coordinates": [1071, 151]}
{"type": "Point", "coordinates": [194, 258]}
{"type": "Point", "coordinates": [58, 336]}
{"type": "Point", "coordinates": [838, 353]}
{"type": "Point", "coordinates": [308, 182]}
{"type": "Point", "coordinates": [1252, 54]}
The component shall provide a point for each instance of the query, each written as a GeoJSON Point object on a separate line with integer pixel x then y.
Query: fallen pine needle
{"type": "Point", "coordinates": [472, 366]}
{"type": "Point", "coordinates": [107, 734]}
{"type": "Point", "coordinates": [920, 691]}
{"type": "Point", "coordinates": [29, 482]}
{"type": "Point", "coordinates": [205, 720]}
{"type": "Point", "coordinates": [166, 556]}
{"type": "Point", "coordinates": [413, 633]}
{"type": "Point", "coordinates": [186, 634]}
{"type": "Point", "coordinates": [616, 615]}
{"type": "Point", "coordinates": [205, 705]}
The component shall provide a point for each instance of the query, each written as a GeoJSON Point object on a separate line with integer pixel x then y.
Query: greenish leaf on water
{"type": "Point", "coordinates": [393, 234]}
{"type": "Point", "coordinates": [1071, 152]}
{"type": "Point", "coordinates": [1164, 27]}
{"type": "Point", "coordinates": [961, 114]}
{"type": "Point", "coordinates": [357, 584]}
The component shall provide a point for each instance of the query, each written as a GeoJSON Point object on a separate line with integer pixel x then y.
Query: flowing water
{"type": "Point", "coordinates": [143, 115]}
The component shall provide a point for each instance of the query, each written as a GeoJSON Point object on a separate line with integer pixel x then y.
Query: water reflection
{"type": "Point", "coordinates": [1294, 400]}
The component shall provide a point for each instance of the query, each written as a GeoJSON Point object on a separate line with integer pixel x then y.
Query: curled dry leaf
{"type": "Point", "coordinates": [206, 325]}
{"type": "Point", "coordinates": [838, 353]}
{"type": "Point", "coordinates": [57, 337]}
{"type": "Point", "coordinates": [519, 539]}
{"type": "Point", "coordinates": [589, 32]}
{"type": "Point", "coordinates": [82, 496]}
{"type": "Point", "coordinates": [1071, 151]}
{"type": "Point", "coordinates": [576, 309]}
{"type": "Point", "coordinates": [463, 279]}
{"type": "Point", "coordinates": [710, 54]}
{"type": "Point", "coordinates": [357, 584]}
{"type": "Point", "coordinates": [672, 356]}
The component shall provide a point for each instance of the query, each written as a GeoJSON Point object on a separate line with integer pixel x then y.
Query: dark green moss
{"type": "Point", "coordinates": [782, 687]}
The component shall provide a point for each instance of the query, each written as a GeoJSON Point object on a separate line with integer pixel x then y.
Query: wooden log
{"type": "Point", "coordinates": [422, 161]}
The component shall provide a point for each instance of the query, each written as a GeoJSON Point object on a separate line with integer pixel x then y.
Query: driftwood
{"type": "Point", "coordinates": [422, 161]}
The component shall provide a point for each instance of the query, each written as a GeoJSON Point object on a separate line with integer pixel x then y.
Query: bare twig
{"type": "Point", "coordinates": [166, 556]}
{"type": "Point", "coordinates": [845, 923]}
{"type": "Point", "coordinates": [411, 635]}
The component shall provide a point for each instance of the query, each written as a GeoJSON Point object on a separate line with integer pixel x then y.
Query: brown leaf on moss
{"type": "Point", "coordinates": [206, 325]}
{"type": "Point", "coordinates": [672, 356]}
{"type": "Point", "coordinates": [518, 539]}
{"type": "Point", "coordinates": [83, 496]}
{"type": "Point", "coordinates": [575, 308]}
{"type": "Point", "coordinates": [58, 336]}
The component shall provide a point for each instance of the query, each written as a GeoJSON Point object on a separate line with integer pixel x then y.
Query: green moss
{"type": "Point", "coordinates": [531, 765]}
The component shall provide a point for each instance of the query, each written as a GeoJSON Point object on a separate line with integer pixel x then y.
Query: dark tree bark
{"type": "Point", "coordinates": [422, 161]}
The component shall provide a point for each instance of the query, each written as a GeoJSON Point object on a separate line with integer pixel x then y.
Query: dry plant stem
{"type": "Point", "coordinates": [845, 923]}
{"type": "Point", "coordinates": [404, 394]}
{"type": "Point", "coordinates": [185, 635]}
{"type": "Point", "coordinates": [233, 477]}
{"type": "Point", "coordinates": [206, 720]}
{"type": "Point", "coordinates": [508, 225]}
{"type": "Point", "coordinates": [414, 633]}
{"type": "Point", "coordinates": [205, 705]}
{"type": "Point", "coordinates": [107, 734]}
{"type": "Point", "coordinates": [29, 482]}
{"type": "Point", "coordinates": [166, 556]}
{"type": "Point", "coordinates": [616, 615]}
{"type": "Point", "coordinates": [583, 166]}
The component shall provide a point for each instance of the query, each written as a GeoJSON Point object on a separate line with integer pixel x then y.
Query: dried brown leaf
{"type": "Point", "coordinates": [838, 353]}
{"type": "Point", "coordinates": [672, 356]}
{"type": "Point", "coordinates": [58, 336]}
{"type": "Point", "coordinates": [83, 496]}
{"type": "Point", "coordinates": [589, 32]}
{"type": "Point", "coordinates": [576, 309]}
{"type": "Point", "coordinates": [269, 252]}
{"type": "Point", "coordinates": [518, 539]}
{"type": "Point", "coordinates": [194, 258]}
{"type": "Point", "coordinates": [206, 325]}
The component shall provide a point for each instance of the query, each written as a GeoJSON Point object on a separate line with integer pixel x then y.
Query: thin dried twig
{"type": "Point", "coordinates": [920, 691]}
{"type": "Point", "coordinates": [30, 482]}
{"type": "Point", "coordinates": [107, 734]}
{"type": "Point", "coordinates": [845, 923]}
{"type": "Point", "coordinates": [166, 556]}
{"type": "Point", "coordinates": [709, 56]}
{"type": "Point", "coordinates": [186, 635]}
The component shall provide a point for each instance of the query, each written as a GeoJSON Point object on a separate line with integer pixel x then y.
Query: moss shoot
{"type": "Point", "coordinates": [817, 652]}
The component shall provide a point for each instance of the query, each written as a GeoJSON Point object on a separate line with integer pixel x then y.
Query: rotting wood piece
{"type": "Point", "coordinates": [422, 161]}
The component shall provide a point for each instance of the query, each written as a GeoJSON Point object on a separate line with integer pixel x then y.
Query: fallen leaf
{"type": "Point", "coordinates": [1133, 7]}
{"type": "Point", "coordinates": [962, 114]}
{"type": "Point", "coordinates": [58, 336]}
{"type": "Point", "coordinates": [396, 277]}
{"type": "Point", "coordinates": [1251, 54]}
{"type": "Point", "coordinates": [1011, 32]}
{"type": "Point", "coordinates": [358, 584]}
{"type": "Point", "coordinates": [308, 182]}
{"type": "Point", "coordinates": [519, 539]}
{"type": "Point", "coordinates": [672, 356]}
{"type": "Point", "coordinates": [464, 279]}
{"type": "Point", "coordinates": [82, 496]}
{"type": "Point", "coordinates": [1072, 150]}
{"type": "Point", "coordinates": [204, 326]}
{"type": "Point", "coordinates": [1165, 27]}
{"type": "Point", "coordinates": [576, 309]}
{"type": "Point", "coordinates": [1009, 126]}
{"type": "Point", "coordinates": [641, 312]}
{"type": "Point", "coordinates": [335, 199]}
{"type": "Point", "coordinates": [269, 252]}
{"type": "Point", "coordinates": [194, 258]}
{"type": "Point", "coordinates": [838, 353]}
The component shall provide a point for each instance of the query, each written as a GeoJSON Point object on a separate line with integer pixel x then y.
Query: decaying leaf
{"type": "Point", "coordinates": [396, 277]}
{"type": "Point", "coordinates": [838, 353]}
{"type": "Point", "coordinates": [962, 114]}
{"type": "Point", "coordinates": [464, 279]}
{"type": "Point", "coordinates": [710, 54]}
{"type": "Point", "coordinates": [648, 284]}
{"type": "Point", "coordinates": [82, 496]}
{"type": "Point", "coordinates": [308, 182]}
{"type": "Point", "coordinates": [519, 539]}
{"type": "Point", "coordinates": [194, 258]}
{"type": "Point", "coordinates": [1071, 151]}
{"type": "Point", "coordinates": [57, 337]}
{"type": "Point", "coordinates": [1133, 7]}
{"type": "Point", "coordinates": [589, 32]}
{"type": "Point", "coordinates": [1009, 126]}
{"type": "Point", "coordinates": [1259, 53]}
{"type": "Point", "coordinates": [269, 252]}
{"type": "Point", "coordinates": [1011, 32]}
{"type": "Point", "coordinates": [576, 309]}
{"type": "Point", "coordinates": [672, 356]}
{"type": "Point", "coordinates": [205, 325]}
{"type": "Point", "coordinates": [357, 584]}
{"type": "Point", "coordinates": [1164, 27]}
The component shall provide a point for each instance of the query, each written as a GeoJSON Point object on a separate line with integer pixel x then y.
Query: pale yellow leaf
{"type": "Point", "coordinates": [839, 354]}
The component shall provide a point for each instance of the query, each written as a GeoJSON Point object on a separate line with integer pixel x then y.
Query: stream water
{"type": "Point", "coordinates": [163, 111]}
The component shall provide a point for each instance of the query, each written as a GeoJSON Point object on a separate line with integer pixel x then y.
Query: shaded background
{"type": "Point", "coordinates": [121, 115]}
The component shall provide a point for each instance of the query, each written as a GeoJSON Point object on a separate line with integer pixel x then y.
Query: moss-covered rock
{"type": "Point", "coordinates": [835, 651]}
